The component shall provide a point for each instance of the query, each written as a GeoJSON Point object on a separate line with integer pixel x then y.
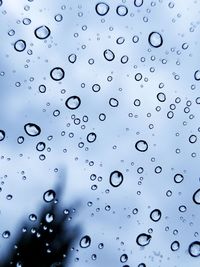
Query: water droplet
{"type": "Point", "coordinates": [40, 146]}
{"type": "Point", "coordinates": [72, 58]}
{"type": "Point", "coordinates": [42, 32]}
{"type": "Point", "coordinates": [2, 135]}
{"type": "Point", "coordinates": [49, 195]}
{"type": "Point", "coordinates": [109, 55]}
{"type": "Point", "coordinates": [32, 217]}
{"type": "Point", "coordinates": [49, 217]}
{"type": "Point", "coordinates": [73, 102]}
{"type": "Point", "coordinates": [91, 137]}
{"type": "Point", "coordinates": [120, 40]}
{"type": "Point", "coordinates": [102, 8]}
{"type": "Point", "coordinates": [161, 97]}
{"type": "Point", "coordinates": [124, 258]}
{"type": "Point", "coordinates": [32, 129]}
{"type": "Point", "coordinates": [6, 234]}
{"type": "Point", "coordinates": [141, 145]}
{"type": "Point", "coordinates": [197, 75]}
{"type": "Point", "coordinates": [58, 17]}
{"type": "Point", "coordinates": [143, 239]}
{"type": "Point", "coordinates": [113, 102]}
{"type": "Point", "coordinates": [196, 197]}
{"type": "Point", "coordinates": [96, 87]}
{"type": "Point", "coordinates": [175, 246]}
{"type": "Point", "coordinates": [178, 178]}
{"type": "Point", "coordinates": [155, 215]}
{"type": "Point", "coordinates": [122, 10]}
{"type": "Point", "coordinates": [20, 45]}
{"type": "Point", "coordinates": [155, 39]}
{"type": "Point", "coordinates": [57, 74]}
{"type": "Point", "coordinates": [138, 3]}
{"type": "Point", "coordinates": [85, 241]}
{"type": "Point", "coordinates": [26, 21]}
{"type": "Point", "coordinates": [192, 139]}
{"type": "Point", "coordinates": [194, 249]}
{"type": "Point", "coordinates": [116, 178]}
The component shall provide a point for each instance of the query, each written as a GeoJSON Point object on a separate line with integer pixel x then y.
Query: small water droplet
{"type": "Point", "coordinates": [42, 32]}
{"type": "Point", "coordinates": [20, 45]}
{"type": "Point", "coordinates": [2, 135]}
{"type": "Point", "coordinates": [155, 215]}
{"type": "Point", "coordinates": [49, 195]}
{"type": "Point", "coordinates": [155, 39]}
{"type": "Point", "coordinates": [143, 239]}
{"type": "Point", "coordinates": [196, 197]}
{"type": "Point", "coordinates": [102, 8]}
{"type": "Point", "coordinates": [73, 102]}
{"type": "Point", "coordinates": [57, 74]}
{"type": "Point", "coordinates": [85, 241]}
{"type": "Point", "coordinates": [116, 178]}
{"type": "Point", "coordinates": [194, 249]}
{"type": "Point", "coordinates": [141, 145]}
{"type": "Point", "coordinates": [109, 55]}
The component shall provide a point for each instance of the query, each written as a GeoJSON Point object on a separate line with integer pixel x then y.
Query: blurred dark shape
{"type": "Point", "coordinates": [46, 242]}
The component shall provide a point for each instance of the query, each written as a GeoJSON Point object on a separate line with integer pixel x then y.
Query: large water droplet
{"type": "Point", "coordinates": [32, 129]}
{"type": "Point", "coordinates": [196, 197]}
{"type": "Point", "coordinates": [155, 215]}
{"type": "Point", "coordinates": [72, 58]}
{"type": "Point", "coordinates": [57, 74]}
{"type": "Point", "coordinates": [143, 239]}
{"type": "Point", "coordinates": [155, 39]}
{"type": "Point", "coordinates": [2, 135]}
{"type": "Point", "coordinates": [194, 249]}
{"type": "Point", "coordinates": [102, 8]}
{"type": "Point", "coordinates": [42, 32]}
{"type": "Point", "coordinates": [85, 241]}
{"type": "Point", "coordinates": [20, 45]}
{"type": "Point", "coordinates": [141, 145]}
{"type": "Point", "coordinates": [109, 55]}
{"type": "Point", "coordinates": [116, 178]}
{"type": "Point", "coordinates": [73, 102]}
{"type": "Point", "coordinates": [49, 195]}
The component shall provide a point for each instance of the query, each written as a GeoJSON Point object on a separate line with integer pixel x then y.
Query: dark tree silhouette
{"type": "Point", "coordinates": [46, 242]}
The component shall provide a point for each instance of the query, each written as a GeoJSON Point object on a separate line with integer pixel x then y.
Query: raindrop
{"type": "Point", "coordinates": [20, 45]}
{"type": "Point", "coordinates": [143, 239]}
{"type": "Point", "coordinates": [6, 234]}
{"type": "Point", "coordinates": [49, 217]}
{"type": "Point", "coordinates": [161, 97]}
{"type": "Point", "coordinates": [178, 178]}
{"type": "Point", "coordinates": [96, 87]}
{"type": "Point", "coordinates": [40, 146]}
{"type": "Point", "coordinates": [72, 58]}
{"type": "Point", "coordinates": [113, 102]}
{"type": "Point", "coordinates": [120, 40]}
{"type": "Point", "coordinates": [109, 55]}
{"type": "Point", "coordinates": [138, 3]}
{"type": "Point", "coordinates": [32, 129]}
{"type": "Point", "coordinates": [91, 137]}
{"type": "Point", "coordinates": [175, 246]}
{"type": "Point", "coordinates": [42, 32]}
{"type": "Point", "coordinates": [155, 39]}
{"type": "Point", "coordinates": [122, 10]}
{"type": "Point", "coordinates": [73, 102]}
{"type": "Point", "coordinates": [42, 88]}
{"type": "Point", "coordinates": [155, 215]}
{"type": "Point", "coordinates": [141, 146]}
{"type": "Point", "coordinates": [58, 17]}
{"type": "Point", "coordinates": [197, 75]}
{"type": "Point", "coordinates": [192, 139]}
{"type": "Point", "coordinates": [49, 195]}
{"type": "Point", "coordinates": [57, 74]}
{"type": "Point", "coordinates": [116, 178]}
{"type": "Point", "coordinates": [196, 197]}
{"type": "Point", "coordinates": [102, 8]}
{"type": "Point", "coordinates": [194, 249]}
{"type": "Point", "coordinates": [85, 241]}
{"type": "Point", "coordinates": [32, 217]}
{"type": "Point", "coordinates": [124, 258]}
{"type": "Point", "coordinates": [2, 135]}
